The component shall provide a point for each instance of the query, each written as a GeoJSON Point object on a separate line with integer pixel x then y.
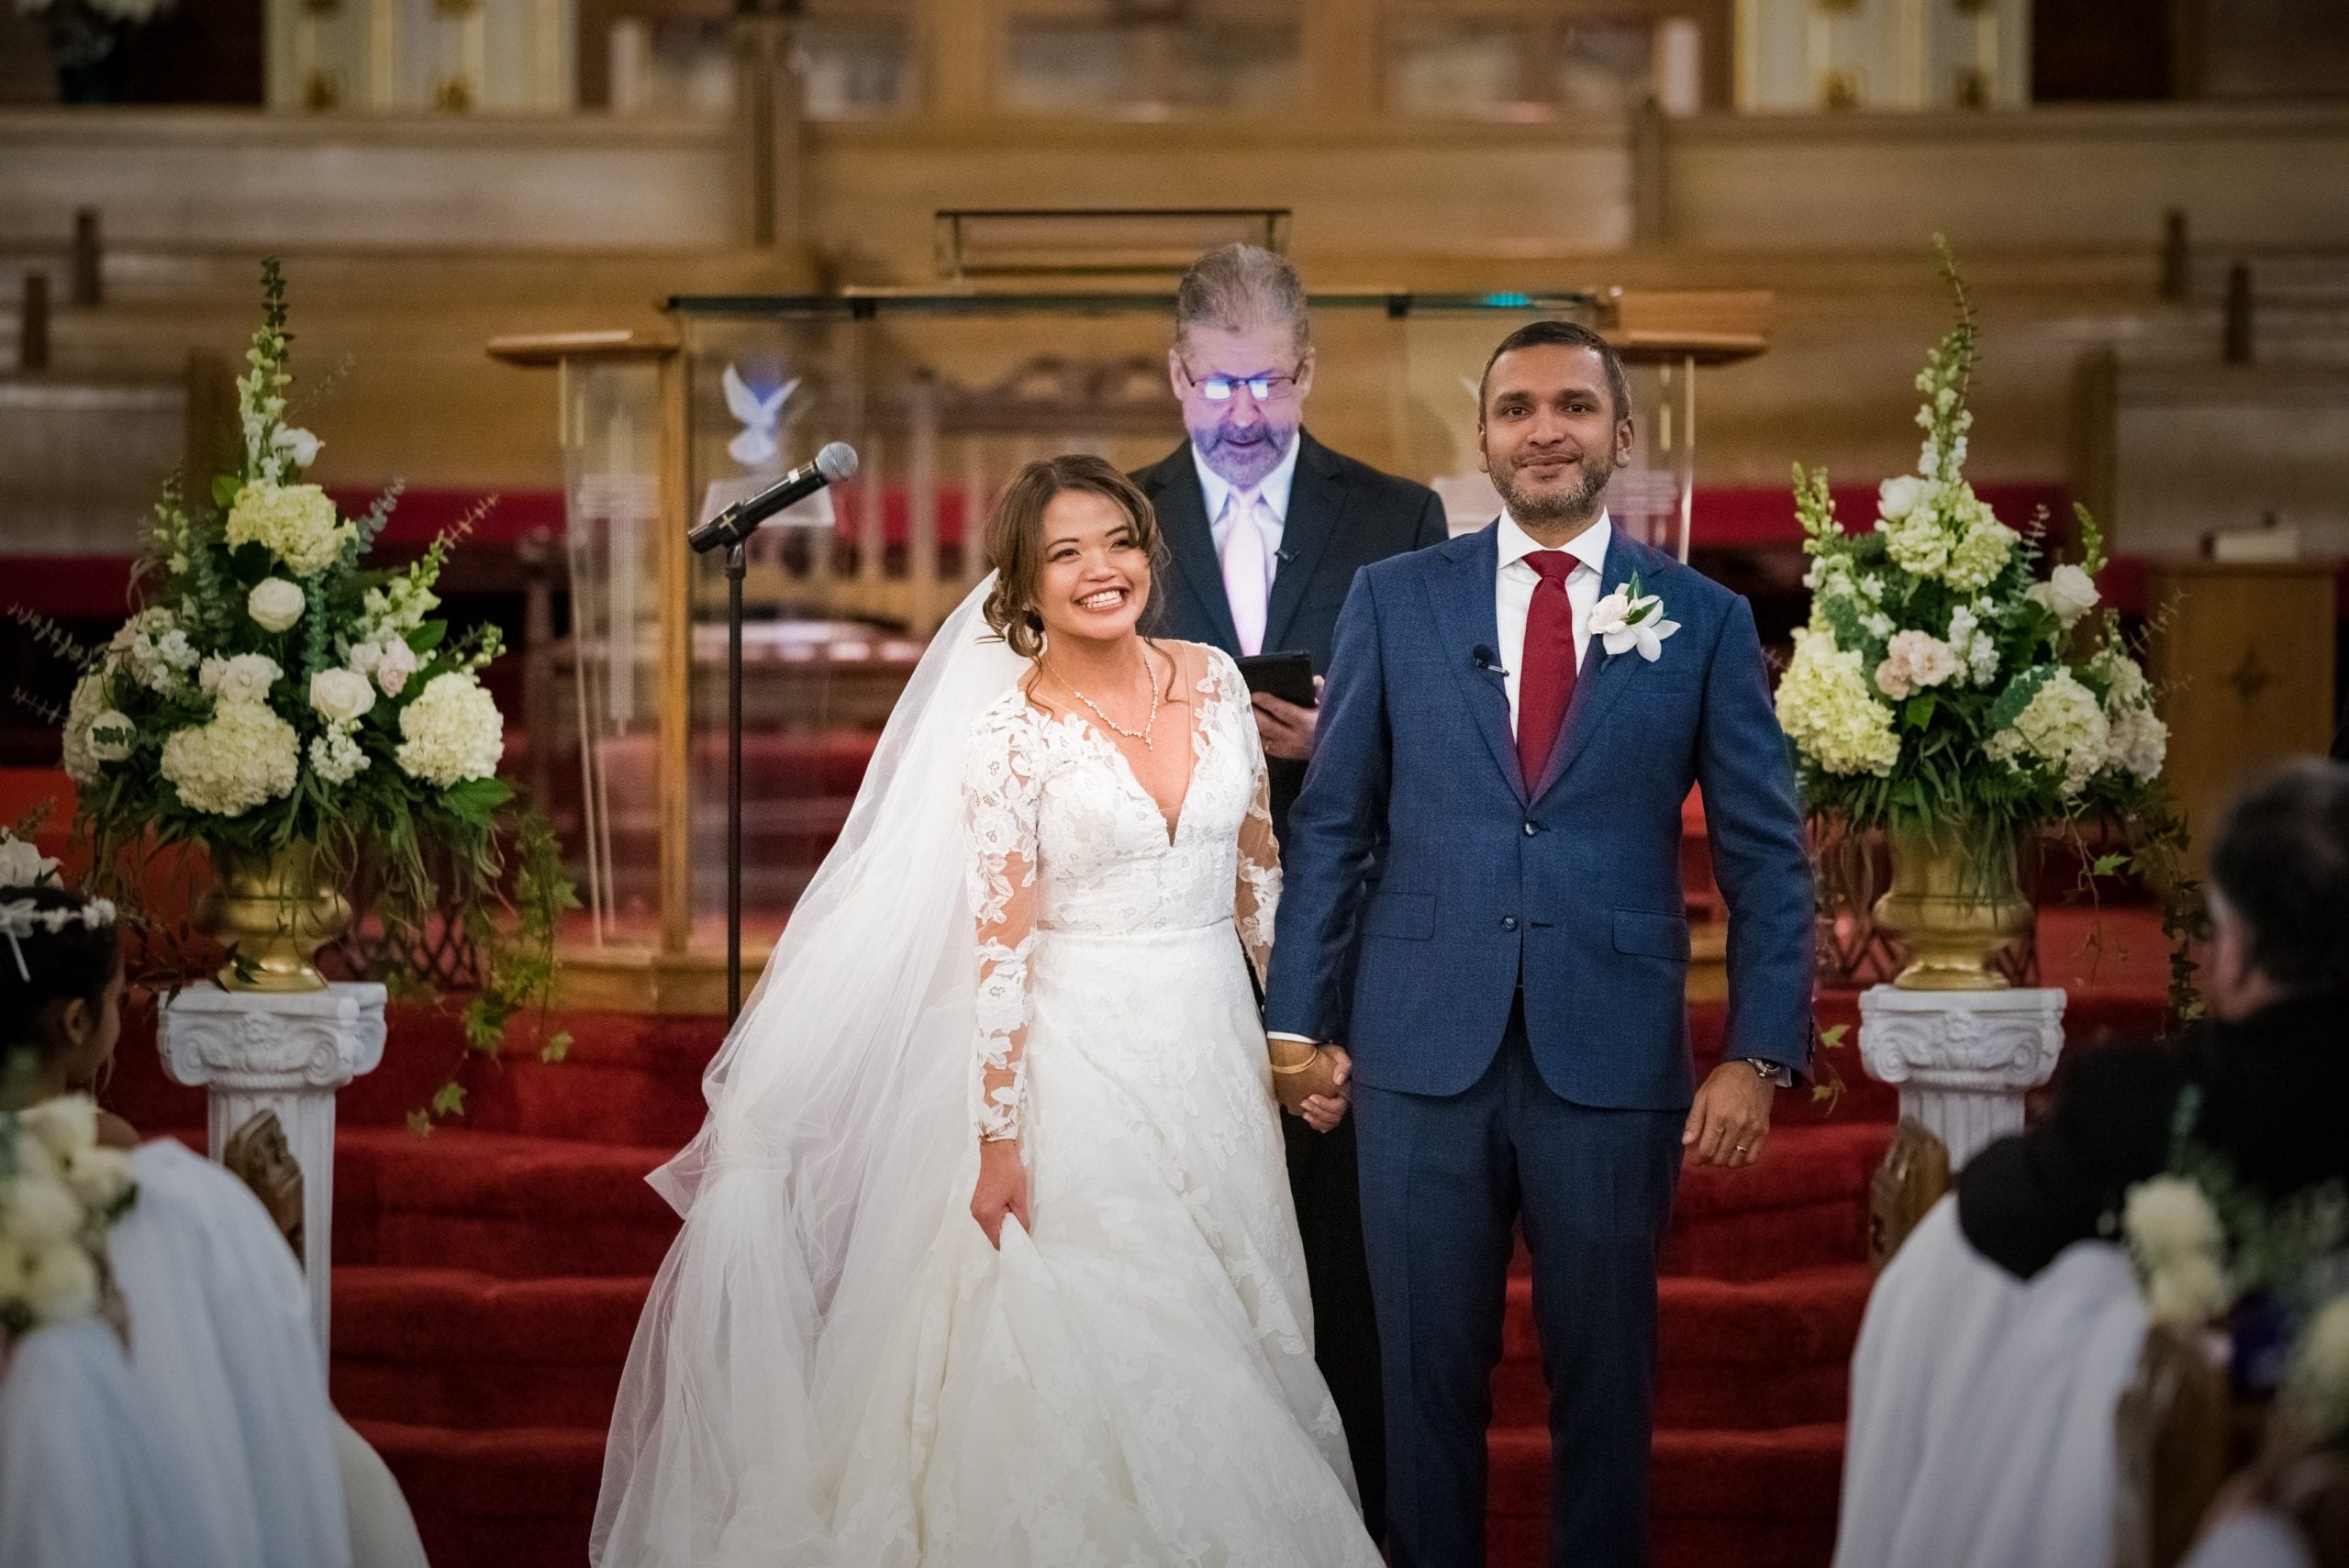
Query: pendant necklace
{"type": "Point", "coordinates": [1144, 734]}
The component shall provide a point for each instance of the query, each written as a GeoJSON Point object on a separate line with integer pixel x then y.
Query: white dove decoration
{"type": "Point", "coordinates": [755, 447]}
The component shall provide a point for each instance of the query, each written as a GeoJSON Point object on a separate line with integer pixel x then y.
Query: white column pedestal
{"type": "Point", "coordinates": [283, 1054]}
{"type": "Point", "coordinates": [1963, 1060]}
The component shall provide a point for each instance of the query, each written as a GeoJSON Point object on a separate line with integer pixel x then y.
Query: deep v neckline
{"type": "Point", "coordinates": [1195, 726]}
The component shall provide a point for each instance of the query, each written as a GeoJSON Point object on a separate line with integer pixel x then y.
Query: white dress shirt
{"type": "Point", "coordinates": [1272, 520]}
{"type": "Point", "coordinates": [1513, 594]}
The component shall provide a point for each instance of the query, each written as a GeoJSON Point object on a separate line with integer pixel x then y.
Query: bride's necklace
{"type": "Point", "coordinates": [1144, 734]}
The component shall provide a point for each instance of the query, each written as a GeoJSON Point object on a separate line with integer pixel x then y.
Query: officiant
{"type": "Point", "coordinates": [1265, 529]}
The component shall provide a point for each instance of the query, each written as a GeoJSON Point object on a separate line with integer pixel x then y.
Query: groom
{"type": "Point", "coordinates": [1517, 1022]}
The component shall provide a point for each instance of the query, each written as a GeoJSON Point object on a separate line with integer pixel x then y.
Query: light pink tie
{"type": "Point", "coordinates": [1246, 586]}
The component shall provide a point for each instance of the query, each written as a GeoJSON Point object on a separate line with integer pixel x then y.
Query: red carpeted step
{"type": "Point", "coordinates": [1741, 1357]}
{"type": "Point", "coordinates": [519, 1497]}
{"type": "Point", "coordinates": [498, 1203]}
{"type": "Point", "coordinates": [457, 1347]}
{"type": "Point", "coordinates": [1803, 1205]}
{"type": "Point", "coordinates": [1717, 1496]}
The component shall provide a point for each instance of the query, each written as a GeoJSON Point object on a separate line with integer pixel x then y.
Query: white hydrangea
{"type": "Point", "coordinates": [244, 757]}
{"type": "Point", "coordinates": [92, 696]}
{"type": "Point", "coordinates": [60, 1282]}
{"type": "Point", "coordinates": [336, 756]}
{"type": "Point", "coordinates": [1972, 645]}
{"type": "Point", "coordinates": [245, 678]}
{"type": "Point", "coordinates": [1982, 551]}
{"type": "Point", "coordinates": [2061, 728]}
{"type": "Point", "coordinates": [2137, 741]}
{"type": "Point", "coordinates": [451, 732]}
{"type": "Point", "coordinates": [1917, 543]}
{"type": "Point", "coordinates": [1825, 706]}
{"type": "Point", "coordinates": [36, 1209]}
{"type": "Point", "coordinates": [297, 523]}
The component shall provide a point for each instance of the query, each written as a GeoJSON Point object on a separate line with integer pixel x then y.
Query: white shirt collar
{"type": "Point", "coordinates": [1273, 490]}
{"type": "Point", "coordinates": [1589, 547]}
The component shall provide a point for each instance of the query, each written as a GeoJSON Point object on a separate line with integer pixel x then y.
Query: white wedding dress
{"type": "Point", "coordinates": [1130, 1385]}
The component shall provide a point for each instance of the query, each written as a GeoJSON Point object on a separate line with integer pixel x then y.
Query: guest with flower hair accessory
{"type": "Point", "coordinates": [162, 1401]}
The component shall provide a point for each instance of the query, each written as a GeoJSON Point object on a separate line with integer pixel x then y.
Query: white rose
{"type": "Point", "coordinates": [1896, 498]}
{"type": "Point", "coordinates": [109, 738]}
{"type": "Point", "coordinates": [275, 603]}
{"type": "Point", "coordinates": [342, 696]}
{"type": "Point", "coordinates": [35, 1210]}
{"type": "Point", "coordinates": [61, 1282]}
{"type": "Point", "coordinates": [22, 864]}
{"type": "Point", "coordinates": [394, 666]}
{"type": "Point", "coordinates": [2069, 594]}
{"type": "Point", "coordinates": [296, 443]}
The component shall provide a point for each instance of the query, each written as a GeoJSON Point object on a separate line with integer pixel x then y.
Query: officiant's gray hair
{"type": "Point", "coordinates": [1236, 288]}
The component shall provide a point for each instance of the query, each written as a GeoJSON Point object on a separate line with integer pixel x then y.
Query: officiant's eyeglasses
{"type": "Point", "coordinates": [1263, 388]}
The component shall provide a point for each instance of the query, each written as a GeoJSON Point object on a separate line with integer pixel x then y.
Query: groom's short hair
{"type": "Point", "coordinates": [1552, 334]}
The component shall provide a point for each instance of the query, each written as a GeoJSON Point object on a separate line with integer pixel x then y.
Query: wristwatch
{"type": "Point", "coordinates": [1777, 1072]}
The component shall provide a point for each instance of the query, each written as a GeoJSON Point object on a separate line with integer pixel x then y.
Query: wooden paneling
{"type": "Point", "coordinates": [2246, 664]}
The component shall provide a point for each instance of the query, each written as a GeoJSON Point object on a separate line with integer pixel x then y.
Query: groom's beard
{"type": "Point", "coordinates": [1578, 505]}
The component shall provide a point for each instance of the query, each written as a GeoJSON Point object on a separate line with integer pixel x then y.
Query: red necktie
{"type": "Point", "coordinates": [1546, 686]}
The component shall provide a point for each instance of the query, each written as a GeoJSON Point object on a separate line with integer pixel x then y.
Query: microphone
{"type": "Point", "coordinates": [1485, 657]}
{"type": "Point", "coordinates": [738, 522]}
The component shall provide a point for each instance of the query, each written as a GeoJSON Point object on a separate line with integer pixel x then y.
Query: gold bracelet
{"type": "Point", "coordinates": [1302, 1066]}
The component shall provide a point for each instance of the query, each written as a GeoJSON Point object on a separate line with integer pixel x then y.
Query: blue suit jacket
{"type": "Point", "coordinates": [1573, 885]}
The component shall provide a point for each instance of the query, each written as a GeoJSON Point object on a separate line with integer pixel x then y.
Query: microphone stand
{"type": "Point", "coordinates": [736, 563]}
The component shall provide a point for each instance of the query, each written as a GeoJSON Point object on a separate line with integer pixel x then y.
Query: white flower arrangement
{"type": "Point", "coordinates": [60, 1194]}
{"type": "Point", "coordinates": [1940, 679]}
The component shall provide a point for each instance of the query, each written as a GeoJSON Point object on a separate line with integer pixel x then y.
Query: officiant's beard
{"type": "Point", "coordinates": [1579, 504]}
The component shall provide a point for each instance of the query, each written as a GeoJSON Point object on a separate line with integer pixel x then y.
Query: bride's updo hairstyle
{"type": "Point", "coordinates": [1015, 538]}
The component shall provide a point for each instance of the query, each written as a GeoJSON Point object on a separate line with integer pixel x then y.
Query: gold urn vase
{"type": "Point", "coordinates": [1953, 903]}
{"type": "Point", "coordinates": [274, 912]}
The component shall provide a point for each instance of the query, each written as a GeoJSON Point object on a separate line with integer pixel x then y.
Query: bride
{"type": "Point", "coordinates": [988, 1256]}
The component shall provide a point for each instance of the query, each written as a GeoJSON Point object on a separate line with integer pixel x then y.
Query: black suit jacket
{"type": "Point", "coordinates": [2272, 1086]}
{"type": "Point", "coordinates": [1342, 514]}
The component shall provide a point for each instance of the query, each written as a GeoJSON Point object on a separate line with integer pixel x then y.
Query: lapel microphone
{"type": "Point", "coordinates": [1485, 657]}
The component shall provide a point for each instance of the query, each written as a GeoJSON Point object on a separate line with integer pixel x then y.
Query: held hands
{"type": "Point", "coordinates": [1318, 1092]}
{"type": "Point", "coordinates": [1730, 1120]}
{"type": "Point", "coordinates": [1002, 1189]}
{"type": "Point", "coordinates": [1285, 728]}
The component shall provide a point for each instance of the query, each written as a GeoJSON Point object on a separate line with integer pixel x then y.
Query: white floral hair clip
{"type": "Point", "coordinates": [19, 918]}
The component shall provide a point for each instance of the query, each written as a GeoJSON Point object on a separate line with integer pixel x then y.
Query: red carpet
{"type": "Point", "coordinates": [488, 1279]}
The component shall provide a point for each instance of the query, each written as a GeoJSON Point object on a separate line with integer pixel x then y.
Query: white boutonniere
{"type": "Point", "coordinates": [1628, 618]}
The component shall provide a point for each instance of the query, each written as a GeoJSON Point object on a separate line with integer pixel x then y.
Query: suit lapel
{"type": "Point", "coordinates": [1604, 677]}
{"type": "Point", "coordinates": [1461, 596]}
{"type": "Point", "coordinates": [1190, 545]}
{"type": "Point", "coordinates": [1315, 497]}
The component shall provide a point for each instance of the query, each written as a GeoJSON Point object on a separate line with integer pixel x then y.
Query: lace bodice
{"type": "Point", "coordinates": [1062, 836]}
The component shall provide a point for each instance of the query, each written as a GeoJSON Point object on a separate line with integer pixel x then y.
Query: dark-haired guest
{"type": "Point", "coordinates": [1998, 1340]}
{"type": "Point", "coordinates": [171, 1413]}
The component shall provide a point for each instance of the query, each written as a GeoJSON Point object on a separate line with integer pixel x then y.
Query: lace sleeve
{"type": "Point", "coordinates": [1000, 790]}
{"type": "Point", "coordinates": [1256, 898]}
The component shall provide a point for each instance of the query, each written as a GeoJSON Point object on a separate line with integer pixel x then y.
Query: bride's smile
{"type": "Point", "coordinates": [1096, 578]}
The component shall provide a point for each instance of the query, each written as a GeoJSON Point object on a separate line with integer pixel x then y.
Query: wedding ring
{"type": "Point", "coordinates": [1741, 1149]}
